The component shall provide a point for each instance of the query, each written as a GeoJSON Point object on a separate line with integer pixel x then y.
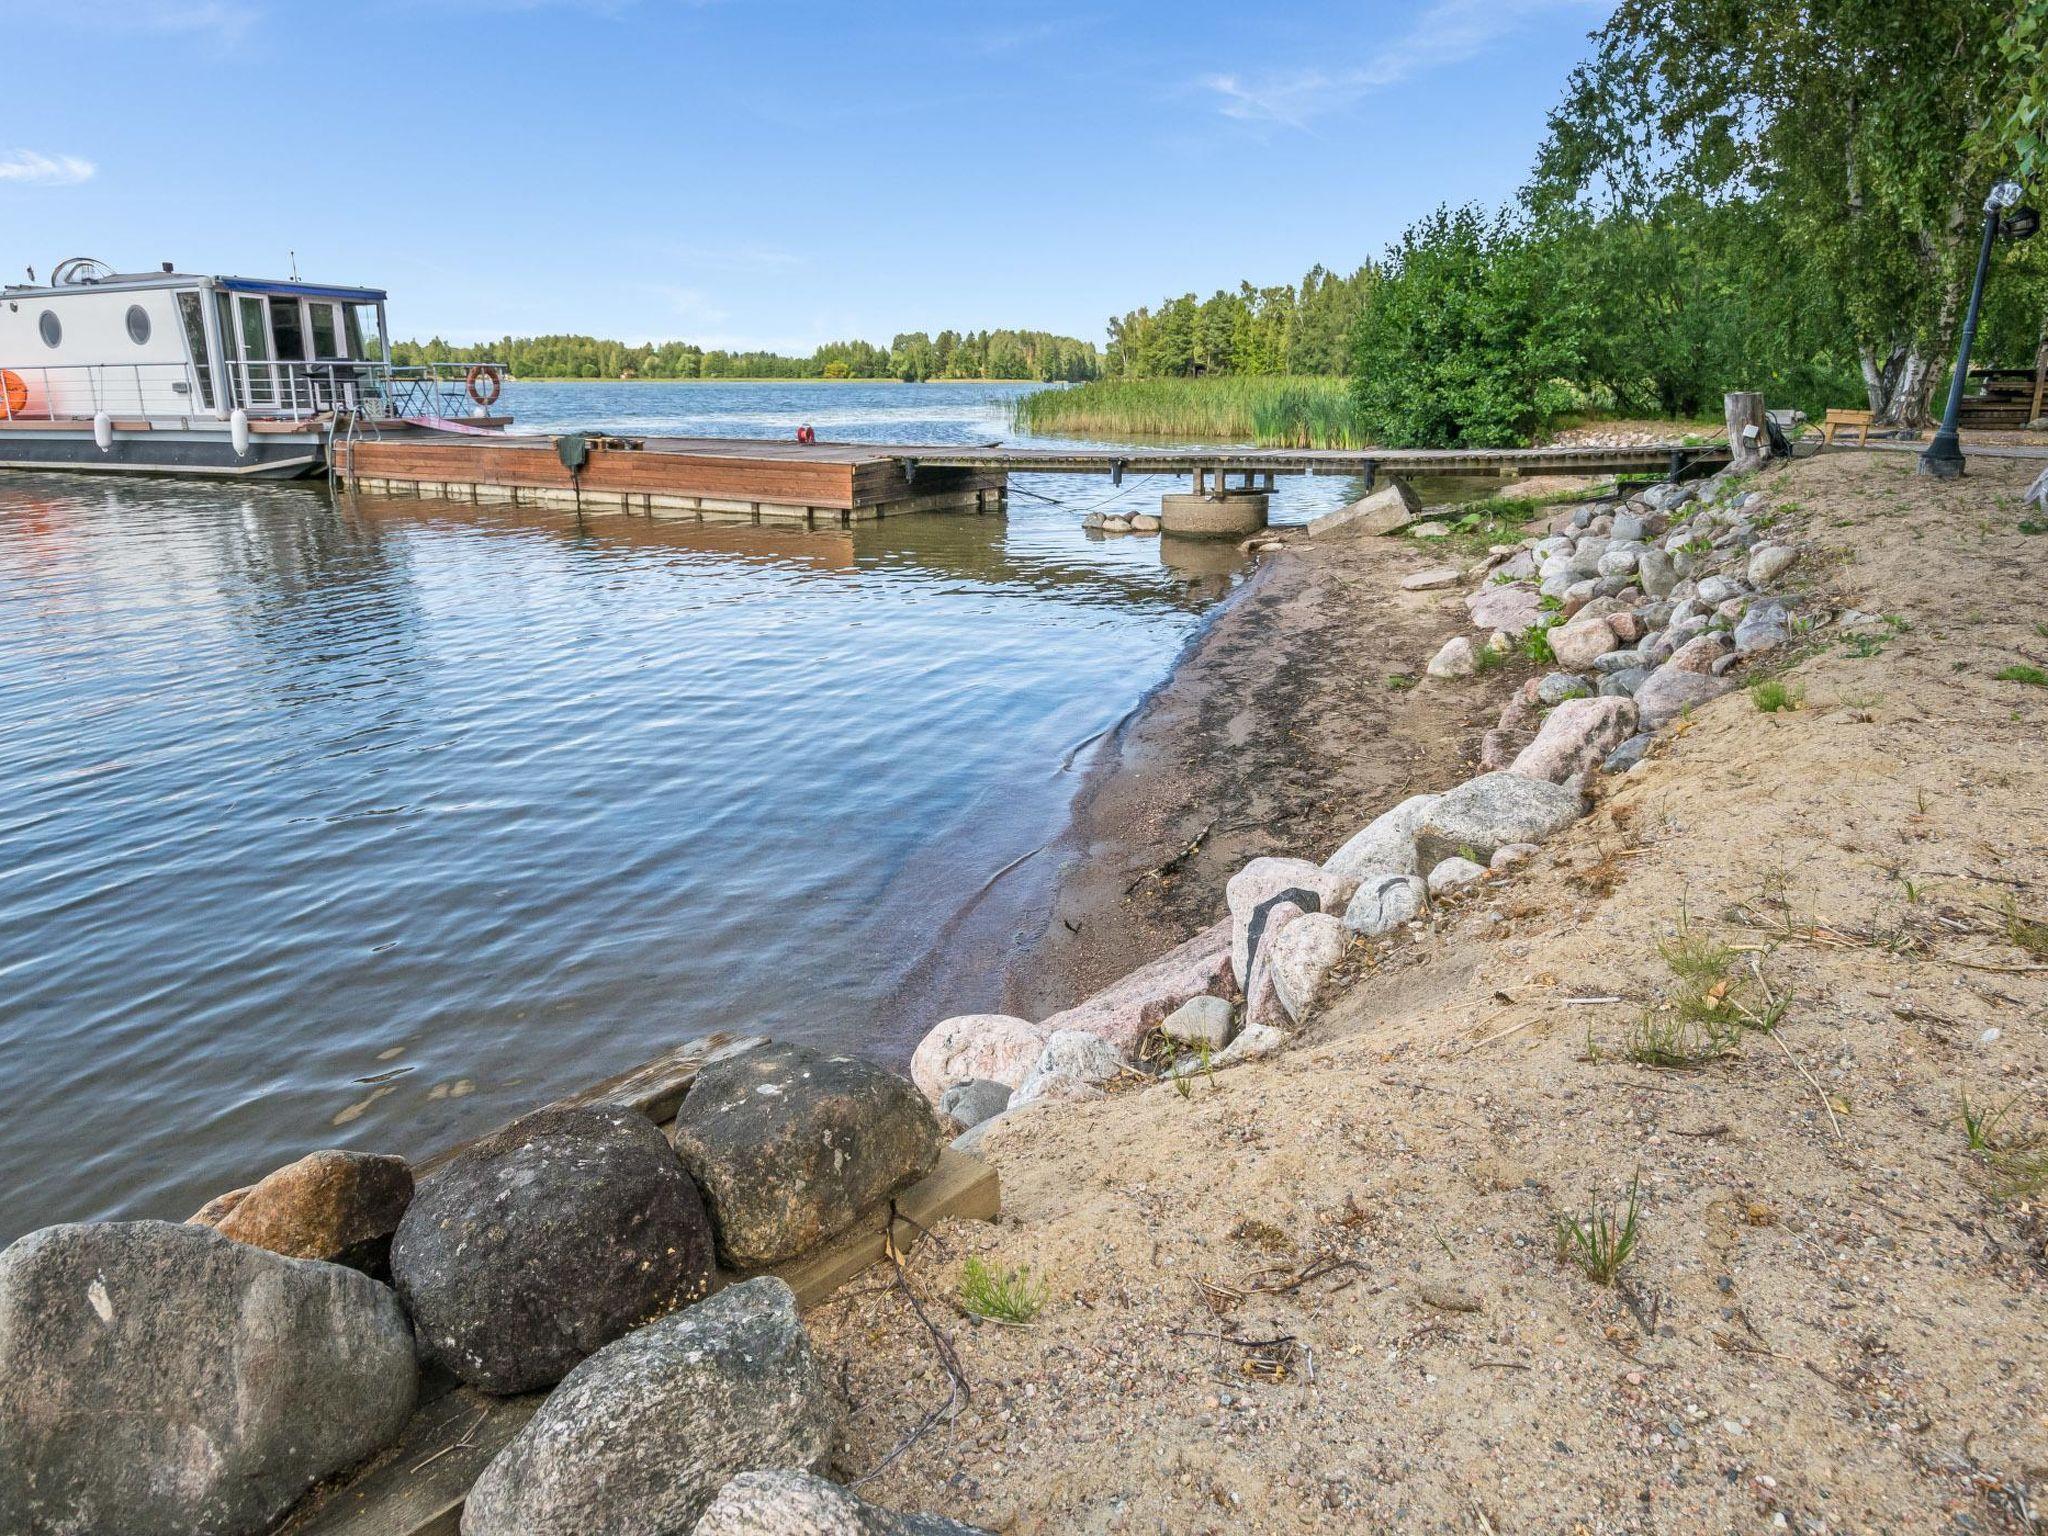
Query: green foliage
{"type": "Point", "coordinates": [2023, 674]}
{"type": "Point", "coordinates": [1852, 131]}
{"type": "Point", "coordinates": [1272, 412]}
{"type": "Point", "coordinates": [1772, 694]}
{"type": "Point", "coordinates": [2019, 125]}
{"type": "Point", "coordinates": [996, 354]}
{"type": "Point", "coordinates": [1678, 1044]}
{"type": "Point", "coordinates": [1003, 1296]}
{"type": "Point", "coordinates": [1602, 1243]}
{"type": "Point", "coordinates": [1261, 332]}
{"type": "Point", "coordinates": [1464, 343]}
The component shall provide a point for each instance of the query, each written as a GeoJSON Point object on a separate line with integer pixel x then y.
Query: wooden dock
{"type": "Point", "coordinates": [417, 1487]}
{"type": "Point", "coordinates": [837, 484]}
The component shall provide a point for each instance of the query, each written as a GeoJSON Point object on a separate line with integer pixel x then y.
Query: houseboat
{"type": "Point", "coordinates": [172, 372]}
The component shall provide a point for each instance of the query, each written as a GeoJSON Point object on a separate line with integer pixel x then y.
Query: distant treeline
{"type": "Point", "coordinates": [912, 356]}
{"type": "Point", "coordinates": [1253, 332]}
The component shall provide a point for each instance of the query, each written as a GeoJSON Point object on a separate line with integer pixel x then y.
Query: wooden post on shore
{"type": "Point", "coordinates": [1748, 445]}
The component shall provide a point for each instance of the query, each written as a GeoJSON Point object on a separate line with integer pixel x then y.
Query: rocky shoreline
{"type": "Point", "coordinates": [1642, 608]}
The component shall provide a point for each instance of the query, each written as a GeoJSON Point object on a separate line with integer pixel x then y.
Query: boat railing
{"type": "Point", "coordinates": [57, 391]}
{"type": "Point", "coordinates": [293, 391]}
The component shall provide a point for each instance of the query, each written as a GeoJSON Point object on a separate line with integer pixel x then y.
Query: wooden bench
{"type": "Point", "coordinates": [1836, 420]}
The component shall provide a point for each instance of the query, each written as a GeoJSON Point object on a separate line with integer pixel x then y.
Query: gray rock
{"type": "Point", "coordinates": [1623, 684]}
{"type": "Point", "coordinates": [1435, 579]}
{"type": "Point", "coordinates": [1764, 627]}
{"type": "Point", "coordinates": [1556, 687]}
{"type": "Point", "coordinates": [1383, 903]}
{"type": "Point", "coordinates": [545, 1241]}
{"type": "Point", "coordinates": [1453, 873]}
{"type": "Point", "coordinates": [1495, 809]}
{"type": "Point", "coordinates": [972, 1102]}
{"type": "Point", "coordinates": [1654, 569]}
{"type": "Point", "coordinates": [1672, 690]}
{"type": "Point", "coordinates": [1511, 856]}
{"type": "Point", "coordinates": [1767, 562]}
{"type": "Point", "coordinates": [1628, 754]}
{"type": "Point", "coordinates": [1716, 590]}
{"type": "Point", "coordinates": [1586, 556]}
{"type": "Point", "coordinates": [1578, 735]}
{"type": "Point", "coordinates": [1393, 506]}
{"type": "Point", "coordinates": [797, 1504]}
{"type": "Point", "coordinates": [1200, 1021]}
{"type": "Point", "coordinates": [159, 1379]}
{"type": "Point", "coordinates": [1617, 661]}
{"type": "Point", "coordinates": [639, 1438]}
{"type": "Point", "coordinates": [1726, 664]}
{"type": "Point", "coordinates": [1454, 660]}
{"type": "Point", "coordinates": [1629, 527]}
{"type": "Point", "coordinates": [1386, 845]}
{"type": "Point", "coordinates": [1070, 1056]}
{"type": "Point", "coordinates": [791, 1146]}
{"type": "Point", "coordinates": [1620, 559]}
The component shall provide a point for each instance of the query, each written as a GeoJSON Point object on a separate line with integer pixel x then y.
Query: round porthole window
{"type": "Point", "coordinates": [51, 327]}
{"type": "Point", "coordinates": [138, 325]}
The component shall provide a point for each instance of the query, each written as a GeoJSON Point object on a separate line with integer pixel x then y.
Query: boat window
{"type": "Point", "coordinates": [286, 330]}
{"type": "Point", "coordinates": [262, 379]}
{"type": "Point", "coordinates": [326, 341]}
{"type": "Point", "coordinates": [365, 338]}
{"type": "Point", "coordinates": [51, 327]}
{"type": "Point", "coordinates": [138, 325]}
{"type": "Point", "coordinates": [195, 338]}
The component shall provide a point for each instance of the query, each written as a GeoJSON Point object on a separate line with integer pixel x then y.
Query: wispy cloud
{"type": "Point", "coordinates": [1447, 32]}
{"type": "Point", "coordinates": [29, 168]}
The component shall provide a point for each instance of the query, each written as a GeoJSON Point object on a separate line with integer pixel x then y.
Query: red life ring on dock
{"type": "Point", "coordinates": [485, 385]}
{"type": "Point", "coordinates": [15, 388]}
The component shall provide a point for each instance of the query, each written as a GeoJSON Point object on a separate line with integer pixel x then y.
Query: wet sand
{"type": "Point", "coordinates": [1251, 746]}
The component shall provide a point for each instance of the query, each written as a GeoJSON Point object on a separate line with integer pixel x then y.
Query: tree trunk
{"type": "Point", "coordinates": [1747, 441]}
{"type": "Point", "coordinates": [1900, 387]}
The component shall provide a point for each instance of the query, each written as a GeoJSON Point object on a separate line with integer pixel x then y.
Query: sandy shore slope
{"type": "Point", "coordinates": [1321, 1292]}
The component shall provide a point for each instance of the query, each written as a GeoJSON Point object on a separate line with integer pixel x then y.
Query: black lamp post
{"type": "Point", "coordinates": [1943, 458]}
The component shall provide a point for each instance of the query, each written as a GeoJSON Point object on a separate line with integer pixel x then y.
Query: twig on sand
{"type": "Point", "coordinates": [960, 1395]}
{"type": "Point", "coordinates": [455, 1445]}
{"type": "Point", "coordinates": [1811, 1082]}
{"type": "Point", "coordinates": [1173, 865]}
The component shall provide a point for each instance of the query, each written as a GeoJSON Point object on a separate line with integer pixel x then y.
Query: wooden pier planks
{"type": "Point", "coordinates": [417, 1487]}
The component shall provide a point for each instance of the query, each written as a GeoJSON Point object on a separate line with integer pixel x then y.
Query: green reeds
{"type": "Point", "coordinates": [1272, 412]}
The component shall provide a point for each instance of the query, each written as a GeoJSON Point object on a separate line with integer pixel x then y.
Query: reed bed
{"type": "Point", "coordinates": [1265, 411]}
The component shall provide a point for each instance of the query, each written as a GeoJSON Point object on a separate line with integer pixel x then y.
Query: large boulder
{"type": "Point", "coordinates": [546, 1240]}
{"type": "Point", "coordinates": [792, 1146]}
{"type": "Point", "coordinates": [1124, 1011]}
{"type": "Point", "coordinates": [1672, 690]}
{"type": "Point", "coordinates": [1263, 1008]}
{"type": "Point", "coordinates": [1390, 508]}
{"type": "Point", "coordinates": [797, 1504]}
{"type": "Point", "coordinates": [1577, 738]}
{"type": "Point", "coordinates": [1512, 608]}
{"type": "Point", "coordinates": [1584, 637]}
{"type": "Point", "coordinates": [1312, 887]}
{"type": "Point", "coordinates": [342, 1207]}
{"type": "Point", "coordinates": [639, 1438]}
{"type": "Point", "coordinates": [1454, 659]}
{"type": "Point", "coordinates": [159, 1379]}
{"type": "Point", "coordinates": [1303, 956]}
{"type": "Point", "coordinates": [974, 1101]}
{"type": "Point", "coordinates": [1385, 844]}
{"type": "Point", "coordinates": [1486, 813]}
{"type": "Point", "coordinates": [990, 1047]}
{"type": "Point", "coordinates": [1070, 1056]}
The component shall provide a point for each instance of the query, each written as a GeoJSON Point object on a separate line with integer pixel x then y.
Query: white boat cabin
{"type": "Point", "coordinates": [171, 344]}
{"type": "Point", "coordinates": [177, 373]}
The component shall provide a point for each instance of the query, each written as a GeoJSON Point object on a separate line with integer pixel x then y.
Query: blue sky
{"type": "Point", "coordinates": [745, 173]}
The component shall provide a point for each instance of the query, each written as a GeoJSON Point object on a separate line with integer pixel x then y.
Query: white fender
{"type": "Point", "coordinates": [238, 433]}
{"type": "Point", "coordinates": [103, 430]}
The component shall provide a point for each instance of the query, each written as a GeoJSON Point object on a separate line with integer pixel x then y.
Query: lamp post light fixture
{"type": "Point", "coordinates": [1944, 456]}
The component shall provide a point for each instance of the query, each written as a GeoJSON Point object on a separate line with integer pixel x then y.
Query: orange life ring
{"type": "Point", "coordinates": [485, 385]}
{"type": "Point", "coordinates": [15, 388]}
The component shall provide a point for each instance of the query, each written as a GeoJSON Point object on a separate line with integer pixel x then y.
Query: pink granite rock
{"type": "Point", "coordinates": [1123, 1012]}
{"type": "Point", "coordinates": [1576, 738]}
{"type": "Point", "coordinates": [992, 1047]}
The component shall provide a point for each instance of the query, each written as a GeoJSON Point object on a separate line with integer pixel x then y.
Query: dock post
{"type": "Point", "coordinates": [1372, 473]}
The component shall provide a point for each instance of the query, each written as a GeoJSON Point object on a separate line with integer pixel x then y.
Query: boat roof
{"type": "Point", "coordinates": [136, 281]}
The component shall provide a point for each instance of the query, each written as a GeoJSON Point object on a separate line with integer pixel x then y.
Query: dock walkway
{"type": "Point", "coordinates": [744, 479]}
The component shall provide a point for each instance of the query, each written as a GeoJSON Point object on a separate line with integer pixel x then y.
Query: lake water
{"type": "Point", "coordinates": [344, 821]}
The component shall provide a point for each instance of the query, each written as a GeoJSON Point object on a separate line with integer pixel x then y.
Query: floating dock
{"type": "Point", "coordinates": [836, 484]}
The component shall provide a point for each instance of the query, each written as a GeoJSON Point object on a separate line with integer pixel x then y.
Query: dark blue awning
{"type": "Point", "coordinates": [302, 290]}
